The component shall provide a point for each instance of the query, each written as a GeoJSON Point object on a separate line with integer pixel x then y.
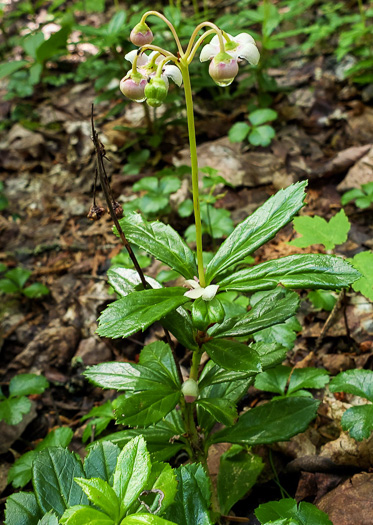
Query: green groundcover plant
{"type": "Point", "coordinates": [168, 412]}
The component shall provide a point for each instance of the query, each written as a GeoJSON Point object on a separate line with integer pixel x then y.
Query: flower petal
{"type": "Point", "coordinates": [209, 292]}
{"type": "Point", "coordinates": [192, 283]}
{"type": "Point", "coordinates": [244, 38]}
{"type": "Point", "coordinates": [141, 61]}
{"type": "Point", "coordinates": [195, 294]}
{"type": "Point", "coordinates": [208, 51]}
{"type": "Point", "coordinates": [249, 52]}
{"type": "Point", "coordinates": [174, 73]}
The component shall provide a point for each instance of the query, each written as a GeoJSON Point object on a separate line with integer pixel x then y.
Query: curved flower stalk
{"type": "Point", "coordinates": [148, 80]}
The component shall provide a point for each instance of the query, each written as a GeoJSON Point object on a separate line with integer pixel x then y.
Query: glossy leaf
{"type": "Point", "coordinates": [27, 384]}
{"type": "Point", "coordinates": [233, 356]}
{"type": "Point", "coordinates": [146, 408]}
{"type": "Point", "coordinates": [138, 311]}
{"type": "Point", "coordinates": [159, 358]}
{"type": "Point", "coordinates": [356, 382]}
{"type": "Point", "coordinates": [308, 378]}
{"type": "Point", "coordinates": [311, 271]}
{"type": "Point", "coordinates": [283, 333]}
{"type": "Point", "coordinates": [316, 230]}
{"type": "Point", "coordinates": [20, 472]}
{"type": "Point", "coordinates": [22, 509]}
{"type": "Point", "coordinates": [274, 307]}
{"type": "Point", "coordinates": [13, 410]}
{"type": "Point", "coordinates": [132, 472]}
{"type": "Point", "coordinates": [192, 501]}
{"type": "Point", "coordinates": [303, 514]}
{"type": "Point", "coordinates": [275, 421]}
{"type": "Point", "coordinates": [101, 494]}
{"type": "Point", "coordinates": [161, 241]}
{"type": "Point", "coordinates": [82, 515]}
{"type": "Point", "coordinates": [48, 519]}
{"type": "Point", "coordinates": [145, 519]}
{"type": "Point", "coordinates": [179, 324]}
{"type": "Point", "coordinates": [358, 421]}
{"type": "Point", "coordinates": [101, 460]}
{"type": "Point", "coordinates": [53, 473]}
{"type": "Point", "coordinates": [238, 472]}
{"type": "Point", "coordinates": [276, 379]}
{"type": "Point", "coordinates": [322, 300]}
{"type": "Point", "coordinates": [273, 380]}
{"type": "Point", "coordinates": [125, 281]}
{"type": "Point", "coordinates": [363, 262]}
{"type": "Point", "coordinates": [220, 409]}
{"type": "Point", "coordinates": [257, 229]}
{"type": "Point", "coordinates": [270, 354]}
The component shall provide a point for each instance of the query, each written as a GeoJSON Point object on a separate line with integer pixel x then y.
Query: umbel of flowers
{"type": "Point", "coordinates": [152, 67]}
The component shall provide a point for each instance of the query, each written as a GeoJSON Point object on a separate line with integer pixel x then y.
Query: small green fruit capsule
{"type": "Point", "coordinates": [156, 91]}
{"type": "Point", "coordinates": [190, 390]}
{"type": "Point", "coordinates": [216, 311]}
{"type": "Point", "coordinates": [200, 315]}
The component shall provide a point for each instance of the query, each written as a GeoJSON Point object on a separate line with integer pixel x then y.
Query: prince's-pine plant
{"type": "Point", "coordinates": [174, 414]}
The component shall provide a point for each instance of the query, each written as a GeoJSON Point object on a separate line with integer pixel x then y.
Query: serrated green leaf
{"type": "Point", "coordinates": [18, 275]}
{"type": "Point", "coordinates": [132, 472]}
{"type": "Point", "coordinates": [358, 421]}
{"type": "Point", "coordinates": [146, 408]}
{"type": "Point", "coordinates": [159, 358]}
{"type": "Point", "coordinates": [262, 135]}
{"type": "Point", "coordinates": [161, 241]}
{"type": "Point", "coordinates": [238, 472]}
{"type": "Point", "coordinates": [101, 460]}
{"type": "Point", "coordinates": [27, 384]}
{"type": "Point", "coordinates": [275, 421]}
{"type": "Point", "coordinates": [233, 356]}
{"type": "Point", "coordinates": [20, 472]}
{"type": "Point", "coordinates": [316, 230]}
{"type": "Point", "coordinates": [145, 519]}
{"type": "Point", "coordinates": [276, 509]}
{"type": "Point", "coordinates": [363, 262]}
{"type": "Point", "coordinates": [101, 494]}
{"type": "Point", "coordinates": [82, 515]}
{"type": "Point", "coordinates": [257, 229]}
{"type": "Point", "coordinates": [283, 333]}
{"type": "Point", "coordinates": [273, 380]}
{"type": "Point", "coordinates": [356, 382]}
{"type": "Point", "coordinates": [307, 378]}
{"type": "Point", "coordinates": [49, 519]}
{"type": "Point", "coordinates": [270, 354]}
{"type": "Point", "coordinates": [138, 311]}
{"type": "Point", "coordinates": [22, 509]}
{"type": "Point", "coordinates": [309, 271]}
{"type": "Point", "coordinates": [238, 132]}
{"type": "Point", "coordinates": [13, 410]}
{"type": "Point", "coordinates": [192, 501]}
{"type": "Point", "coordinates": [274, 308]}
{"type": "Point", "coordinates": [100, 417]}
{"type": "Point", "coordinates": [53, 473]}
{"type": "Point", "coordinates": [221, 410]}
{"type": "Point", "coordinates": [180, 325]}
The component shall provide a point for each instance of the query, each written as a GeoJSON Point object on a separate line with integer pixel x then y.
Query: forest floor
{"type": "Point", "coordinates": [324, 134]}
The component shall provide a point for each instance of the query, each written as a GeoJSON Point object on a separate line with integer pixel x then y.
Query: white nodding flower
{"type": "Point", "coordinates": [145, 67]}
{"type": "Point", "coordinates": [239, 47]}
{"type": "Point", "coordinates": [198, 291]}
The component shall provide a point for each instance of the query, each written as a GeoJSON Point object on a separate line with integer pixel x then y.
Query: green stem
{"type": "Point", "coordinates": [362, 12]}
{"type": "Point", "coordinates": [194, 165]}
{"type": "Point", "coordinates": [196, 360]}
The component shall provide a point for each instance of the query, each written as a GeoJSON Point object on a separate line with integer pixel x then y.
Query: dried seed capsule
{"type": "Point", "coordinates": [96, 212]}
{"type": "Point", "coordinates": [118, 210]}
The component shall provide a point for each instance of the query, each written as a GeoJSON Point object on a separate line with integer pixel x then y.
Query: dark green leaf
{"type": "Point", "coordinates": [115, 25]}
{"type": "Point", "coordinates": [101, 494]}
{"type": "Point", "coordinates": [22, 509]}
{"type": "Point", "coordinates": [132, 472]}
{"type": "Point", "coordinates": [35, 290]}
{"type": "Point", "coordinates": [273, 380]}
{"type": "Point", "coordinates": [27, 384]}
{"type": "Point", "coordinates": [356, 382]}
{"type": "Point", "coordinates": [358, 421]}
{"type": "Point", "coordinates": [120, 376]}
{"type": "Point", "coordinates": [18, 275]}
{"type": "Point", "coordinates": [309, 271]}
{"type": "Point", "coordinates": [308, 378]}
{"type": "Point", "coordinates": [145, 519]}
{"type": "Point", "coordinates": [8, 286]}
{"type": "Point", "coordinates": [53, 473]}
{"type": "Point", "coordinates": [316, 230]}
{"type": "Point", "coordinates": [82, 515]}
{"type": "Point", "coordinates": [238, 472]}
{"type": "Point", "coordinates": [275, 421]}
{"type": "Point", "coordinates": [304, 514]}
{"type": "Point", "coordinates": [125, 281]}
{"type": "Point", "coordinates": [257, 229]}
{"type": "Point", "coordinates": [283, 333]}
{"type": "Point", "coordinates": [192, 502]}
{"type": "Point", "coordinates": [55, 44]}
{"type": "Point", "coordinates": [159, 358]}
{"type": "Point", "coordinates": [13, 410]}
{"type": "Point", "coordinates": [221, 410]}
{"type": "Point", "coordinates": [180, 325]}
{"type": "Point", "coordinates": [270, 354]}
{"type": "Point", "coordinates": [7, 68]}
{"type": "Point", "coordinates": [274, 307]}
{"type": "Point", "coordinates": [101, 460]}
{"type": "Point", "coordinates": [138, 311]}
{"type": "Point", "coordinates": [161, 241]}
{"type": "Point", "coordinates": [146, 408]}
{"type": "Point", "coordinates": [233, 356]}
{"type": "Point", "coordinates": [32, 43]}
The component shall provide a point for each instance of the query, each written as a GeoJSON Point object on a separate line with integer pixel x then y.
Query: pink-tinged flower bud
{"type": "Point", "coordinates": [190, 390]}
{"type": "Point", "coordinates": [141, 35]}
{"type": "Point", "coordinates": [223, 69]}
{"type": "Point", "coordinates": [156, 91]}
{"type": "Point", "coordinates": [133, 87]}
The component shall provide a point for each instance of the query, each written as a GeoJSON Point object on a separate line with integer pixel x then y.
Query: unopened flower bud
{"type": "Point", "coordinates": [133, 87]}
{"type": "Point", "coordinates": [155, 92]}
{"type": "Point", "coordinates": [141, 35]}
{"type": "Point", "coordinates": [223, 69]}
{"type": "Point", "coordinates": [190, 390]}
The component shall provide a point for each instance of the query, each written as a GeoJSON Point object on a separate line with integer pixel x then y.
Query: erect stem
{"type": "Point", "coordinates": [171, 27]}
{"type": "Point", "coordinates": [194, 165]}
